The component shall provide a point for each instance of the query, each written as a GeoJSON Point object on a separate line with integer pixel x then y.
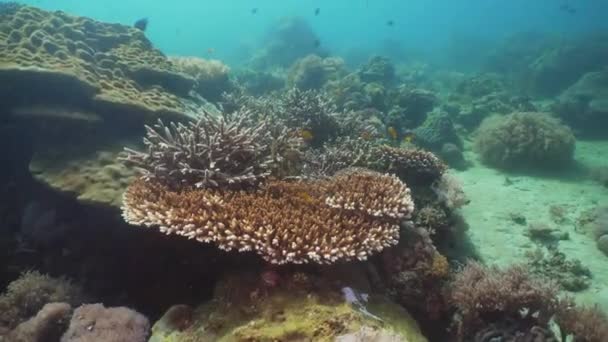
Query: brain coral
{"type": "Point", "coordinates": [524, 139]}
{"type": "Point", "coordinates": [349, 216]}
{"type": "Point", "coordinates": [51, 57]}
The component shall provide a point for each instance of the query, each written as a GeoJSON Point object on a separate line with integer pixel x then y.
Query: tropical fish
{"type": "Point", "coordinates": [254, 10]}
{"type": "Point", "coordinates": [210, 51]}
{"type": "Point", "coordinates": [141, 24]}
{"type": "Point", "coordinates": [306, 134]}
{"type": "Point", "coordinates": [317, 11]}
{"type": "Point", "coordinates": [317, 43]}
{"type": "Point", "coordinates": [390, 23]}
{"type": "Point", "coordinates": [392, 132]}
{"type": "Point", "coordinates": [409, 137]}
{"type": "Point", "coordinates": [365, 135]}
{"type": "Point", "coordinates": [306, 197]}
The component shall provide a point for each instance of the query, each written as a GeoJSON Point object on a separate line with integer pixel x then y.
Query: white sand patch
{"type": "Point", "coordinates": [497, 196]}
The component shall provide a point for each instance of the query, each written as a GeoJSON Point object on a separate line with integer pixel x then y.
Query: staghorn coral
{"type": "Point", "coordinates": [414, 166]}
{"type": "Point", "coordinates": [484, 295]}
{"type": "Point", "coordinates": [344, 152]}
{"type": "Point", "coordinates": [212, 152]}
{"type": "Point", "coordinates": [311, 111]}
{"type": "Point", "coordinates": [28, 294]}
{"type": "Point", "coordinates": [211, 75]}
{"type": "Point", "coordinates": [94, 322]}
{"type": "Point", "coordinates": [347, 217]}
{"type": "Point", "coordinates": [524, 139]}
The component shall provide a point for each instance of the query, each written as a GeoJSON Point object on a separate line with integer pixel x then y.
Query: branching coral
{"type": "Point", "coordinates": [212, 152]}
{"type": "Point", "coordinates": [349, 216]}
{"type": "Point", "coordinates": [484, 295]}
{"type": "Point", "coordinates": [525, 139]}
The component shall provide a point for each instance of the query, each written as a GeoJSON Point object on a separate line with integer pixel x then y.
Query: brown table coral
{"type": "Point", "coordinates": [349, 216]}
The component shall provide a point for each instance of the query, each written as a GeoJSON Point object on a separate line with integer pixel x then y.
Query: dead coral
{"type": "Point", "coordinates": [347, 217]}
{"type": "Point", "coordinates": [525, 139]}
{"type": "Point", "coordinates": [484, 295]}
{"type": "Point", "coordinates": [570, 274]}
{"type": "Point", "coordinates": [94, 322]}
{"type": "Point", "coordinates": [28, 294]}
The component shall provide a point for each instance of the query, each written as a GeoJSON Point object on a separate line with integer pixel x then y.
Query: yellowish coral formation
{"type": "Point", "coordinates": [55, 57]}
{"type": "Point", "coordinates": [93, 177]}
{"type": "Point", "coordinates": [312, 311]}
{"type": "Point", "coordinates": [347, 217]}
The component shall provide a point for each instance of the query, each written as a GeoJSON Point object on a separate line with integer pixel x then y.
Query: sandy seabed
{"type": "Point", "coordinates": [497, 196]}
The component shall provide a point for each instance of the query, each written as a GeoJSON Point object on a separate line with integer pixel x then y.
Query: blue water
{"type": "Point", "coordinates": [192, 27]}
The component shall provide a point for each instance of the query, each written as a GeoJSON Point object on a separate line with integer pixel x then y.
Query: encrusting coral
{"type": "Point", "coordinates": [349, 216]}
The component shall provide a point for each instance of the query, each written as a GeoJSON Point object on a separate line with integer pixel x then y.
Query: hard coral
{"type": "Point", "coordinates": [312, 72]}
{"type": "Point", "coordinates": [585, 324]}
{"type": "Point", "coordinates": [412, 165]}
{"type": "Point", "coordinates": [211, 75]}
{"type": "Point", "coordinates": [212, 152]}
{"type": "Point", "coordinates": [94, 322]}
{"type": "Point", "coordinates": [525, 139]}
{"type": "Point", "coordinates": [48, 324]}
{"type": "Point", "coordinates": [28, 294]}
{"type": "Point", "coordinates": [484, 295]}
{"type": "Point", "coordinates": [347, 217]}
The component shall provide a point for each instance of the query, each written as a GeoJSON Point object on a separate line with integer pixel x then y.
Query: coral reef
{"type": "Point", "coordinates": [52, 58]}
{"type": "Point", "coordinates": [584, 106]}
{"type": "Point", "coordinates": [312, 72]}
{"type": "Point", "coordinates": [570, 275]}
{"type": "Point", "coordinates": [286, 41]}
{"type": "Point", "coordinates": [48, 325]}
{"type": "Point", "coordinates": [211, 75]}
{"type": "Point", "coordinates": [414, 166]}
{"type": "Point", "coordinates": [349, 216]}
{"type": "Point", "coordinates": [257, 82]}
{"type": "Point", "coordinates": [302, 306]}
{"type": "Point", "coordinates": [210, 153]}
{"type": "Point", "coordinates": [486, 295]}
{"type": "Point", "coordinates": [436, 131]}
{"type": "Point", "coordinates": [94, 322]}
{"type": "Point", "coordinates": [27, 295]}
{"type": "Point", "coordinates": [409, 107]}
{"type": "Point", "coordinates": [378, 69]}
{"type": "Point", "coordinates": [527, 139]}
{"type": "Point", "coordinates": [92, 176]}
{"type": "Point", "coordinates": [586, 324]}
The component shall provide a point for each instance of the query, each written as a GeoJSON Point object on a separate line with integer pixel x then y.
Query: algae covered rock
{"type": "Point", "coordinates": [526, 139]}
{"type": "Point", "coordinates": [275, 306]}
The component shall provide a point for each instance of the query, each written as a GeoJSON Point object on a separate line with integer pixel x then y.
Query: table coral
{"type": "Point", "coordinates": [347, 217]}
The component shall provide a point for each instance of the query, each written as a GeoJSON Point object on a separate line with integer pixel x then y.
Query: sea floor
{"type": "Point", "coordinates": [498, 197]}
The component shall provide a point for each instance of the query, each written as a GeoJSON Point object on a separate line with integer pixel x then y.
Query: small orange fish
{"type": "Point", "coordinates": [306, 135]}
{"type": "Point", "coordinates": [306, 197]}
{"type": "Point", "coordinates": [392, 132]}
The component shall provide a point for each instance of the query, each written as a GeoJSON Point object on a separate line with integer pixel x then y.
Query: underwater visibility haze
{"type": "Point", "coordinates": [303, 171]}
